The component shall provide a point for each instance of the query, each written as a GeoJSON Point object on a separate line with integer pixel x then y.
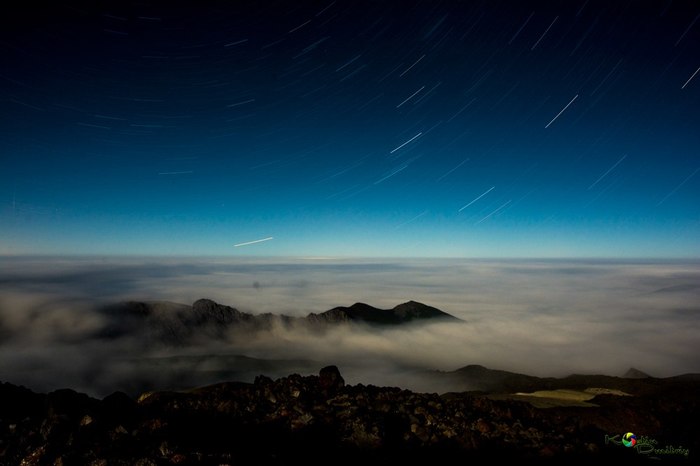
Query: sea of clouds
{"type": "Point", "coordinates": [545, 318]}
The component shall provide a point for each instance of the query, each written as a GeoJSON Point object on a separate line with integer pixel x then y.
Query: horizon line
{"type": "Point", "coordinates": [312, 257]}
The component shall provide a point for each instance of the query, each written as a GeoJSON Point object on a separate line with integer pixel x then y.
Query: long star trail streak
{"type": "Point", "coordinates": [427, 93]}
{"type": "Point", "coordinates": [562, 111]}
{"type": "Point", "coordinates": [544, 33]}
{"type": "Point", "coordinates": [360, 68]}
{"type": "Point", "coordinates": [247, 243]}
{"type": "Point", "coordinates": [352, 60]}
{"type": "Point", "coordinates": [398, 170]}
{"type": "Point", "coordinates": [521, 28]}
{"type": "Point", "coordinates": [321, 12]}
{"type": "Point", "coordinates": [241, 103]}
{"type": "Point", "coordinates": [299, 27]}
{"type": "Point", "coordinates": [477, 198]}
{"type": "Point", "coordinates": [433, 127]}
{"type": "Point", "coordinates": [678, 187]}
{"type": "Point", "coordinates": [607, 172]}
{"type": "Point", "coordinates": [238, 42]}
{"type": "Point", "coordinates": [176, 173]}
{"type": "Point", "coordinates": [492, 213]}
{"type": "Point", "coordinates": [93, 126]}
{"type": "Point", "coordinates": [578, 13]}
{"type": "Point", "coordinates": [414, 137]}
{"type": "Point", "coordinates": [686, 83]}
{"type": "Point", "coordinates": [409, 68]}
{"type": "Point", "coordinates": [606, 77]}
{"type": "Point", "coordinates": [686, 31]}
{"type": "Point", "coordinates": [461, 110]}
{"type": "Point", "coordinates": [390, 73]}
{"type": "Point", "coordinates": [455, 168]}
{"type": "Point", "coordinates": [411, 96]}
{"type": "Point", "coordinates": [411, 220]}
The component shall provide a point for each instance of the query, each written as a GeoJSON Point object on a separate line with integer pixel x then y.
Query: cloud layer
{"type": "Point", "coordinates": [538, 317]}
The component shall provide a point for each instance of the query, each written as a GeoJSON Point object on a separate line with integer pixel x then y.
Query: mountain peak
{"type": "Point", "coordinates": [633, 373]}
{"type": "Point", "coordinates": [414, 310]}
{"type": "Point", "coordinates": [362, 312]}
{"type": "Point", "coordinates": [208, 311]}
{"type": "Point", "coordinates": [362, 307]}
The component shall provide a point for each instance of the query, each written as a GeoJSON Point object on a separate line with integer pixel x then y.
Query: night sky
{"type": "Point", "coordinates": [351, 128]}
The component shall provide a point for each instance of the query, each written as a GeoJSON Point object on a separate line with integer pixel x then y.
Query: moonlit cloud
{"type": "Point", "coordinates": [538, 317]}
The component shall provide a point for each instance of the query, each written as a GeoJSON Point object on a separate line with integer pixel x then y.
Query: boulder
{"type": "Point", "coordinates": [330, 379]}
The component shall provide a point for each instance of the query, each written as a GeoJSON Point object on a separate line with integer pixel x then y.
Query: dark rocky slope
{"type": "Point", "coordinates": [302, 420]}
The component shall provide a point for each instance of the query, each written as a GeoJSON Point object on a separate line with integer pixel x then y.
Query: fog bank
{"type": "Point", "coordinates": [537, 317]}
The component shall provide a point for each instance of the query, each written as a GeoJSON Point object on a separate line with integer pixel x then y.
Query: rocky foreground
{"type": "Point", "coordinates": [310, 419]}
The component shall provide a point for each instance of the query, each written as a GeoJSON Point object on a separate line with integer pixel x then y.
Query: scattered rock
{"type": "Point", "coordinates": [330, 379]}
{"type": "Point", "coordinates": [298, 419]}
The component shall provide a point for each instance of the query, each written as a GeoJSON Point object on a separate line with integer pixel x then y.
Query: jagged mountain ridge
{"type": "Point", "coordinates": [361, 312]}
{"type": "Point", "coordinates": [174, 323]}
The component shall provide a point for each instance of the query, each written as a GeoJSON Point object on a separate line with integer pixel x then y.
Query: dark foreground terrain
{"type": "Point", "coordinates": [312, 419]}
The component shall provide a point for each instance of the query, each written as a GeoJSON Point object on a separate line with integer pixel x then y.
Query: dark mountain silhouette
{"type": "Point", "coordinates": [479, 379]}
{"type": "Point", "coordinates": [360, 312]}
{"type": "Point", "coordinates": [174, 323]}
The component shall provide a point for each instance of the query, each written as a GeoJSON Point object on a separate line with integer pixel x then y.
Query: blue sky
{"type": "Point", "coordinates": [507, 129]}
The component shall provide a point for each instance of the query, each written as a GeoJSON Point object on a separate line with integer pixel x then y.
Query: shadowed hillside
{"type": "Point", "coordinates": [320, 418]}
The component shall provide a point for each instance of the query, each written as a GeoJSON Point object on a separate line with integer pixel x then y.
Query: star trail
{"type": "Point", "coordinates": [351, 128]}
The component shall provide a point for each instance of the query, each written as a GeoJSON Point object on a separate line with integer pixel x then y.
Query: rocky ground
{"type": "Point", "coordinates": [297, 420]}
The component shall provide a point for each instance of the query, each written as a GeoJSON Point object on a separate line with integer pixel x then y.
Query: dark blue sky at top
{"type": "Point", "coordinates": [346, 128]}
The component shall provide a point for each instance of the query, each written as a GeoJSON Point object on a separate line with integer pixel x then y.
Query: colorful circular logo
{"type": "Point", "coordinates": [629, 439]}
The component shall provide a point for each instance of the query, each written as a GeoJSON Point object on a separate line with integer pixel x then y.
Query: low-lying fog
{"type": "Point", "coordinates": [546, 318]}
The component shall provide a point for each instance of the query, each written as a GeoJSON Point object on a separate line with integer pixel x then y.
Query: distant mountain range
{"type": "Point", "coordinates": [476, 378]}
{"type": "Point", "coordinates": [175, 323]}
